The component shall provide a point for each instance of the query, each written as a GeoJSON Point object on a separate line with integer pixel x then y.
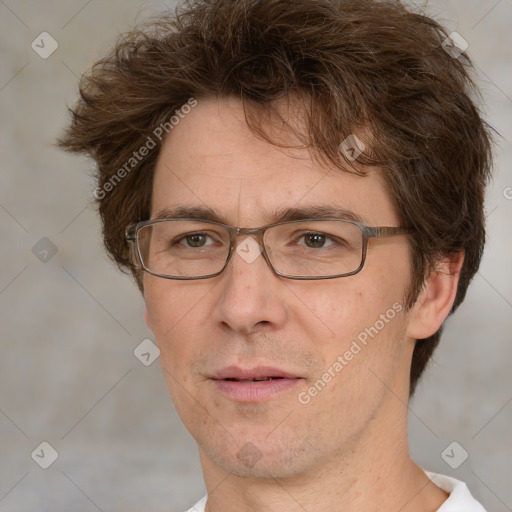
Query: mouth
{"type": "Point", "coordinates": [254, 385]}
{"type": "Point", "coordinates": [264, 379]}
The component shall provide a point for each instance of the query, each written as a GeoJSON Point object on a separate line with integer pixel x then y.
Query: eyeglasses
{"type": "Point", "coordinates": [183, 248]}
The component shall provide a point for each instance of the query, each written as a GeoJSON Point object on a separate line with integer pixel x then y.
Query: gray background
{"type": "Point", "coordinates": [68, 375]}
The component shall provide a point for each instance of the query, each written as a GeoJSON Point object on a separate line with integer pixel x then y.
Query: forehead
{"type": "Point", "coordinates": [212, 159]}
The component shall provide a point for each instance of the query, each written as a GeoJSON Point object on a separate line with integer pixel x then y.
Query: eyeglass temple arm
{"type": "Point", "coordinates": [130, 233]}
{"type": "Point", "coordinates": [380, 232]}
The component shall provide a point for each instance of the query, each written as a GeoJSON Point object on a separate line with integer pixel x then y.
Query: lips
{"type": "Point", "coordinates": [261, 373]}
{"type": "Point", "coordinates": [253, 385]}
{"type": "Point", "coordinates": [248, 381]}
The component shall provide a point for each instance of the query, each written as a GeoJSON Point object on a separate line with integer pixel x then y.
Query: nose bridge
{"type": "Point", "coordinates": [256, 233]}
{"type": "Point", "coordinates": [248, 296]}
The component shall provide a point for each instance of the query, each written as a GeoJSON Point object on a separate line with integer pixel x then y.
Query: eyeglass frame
{"type": "Point", "coordinates": [367, 232]}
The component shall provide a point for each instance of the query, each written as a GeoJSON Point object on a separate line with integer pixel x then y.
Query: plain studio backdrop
{"type": "Point", "coordinates": [70, 322]}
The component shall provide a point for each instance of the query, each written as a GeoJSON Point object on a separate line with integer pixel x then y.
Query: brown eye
{"type": "Point", "coordinates": [315, 240]}
{"type": "Point", "coordinates": [195, 240]}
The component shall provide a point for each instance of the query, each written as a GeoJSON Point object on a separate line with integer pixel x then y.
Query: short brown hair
{"type": "Point", "coordinates": [357, 65]}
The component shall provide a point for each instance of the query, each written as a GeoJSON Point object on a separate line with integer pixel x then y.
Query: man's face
{"type": "Point", "coordinates": [249, 320]}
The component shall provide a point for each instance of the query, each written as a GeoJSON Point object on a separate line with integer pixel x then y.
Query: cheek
{"type": "Point", "coordinates": [362, 363]}
{"type": "Point", "coordinates": [177, 318]}
{"type": "Point", "coordinates": [169, 303]}
{"type": "Point", "coordinates": [363, 324]}
{"type": "Point", "coordinates": [336, 311]}
{"type": "Point", "coordinates": [176, 322]}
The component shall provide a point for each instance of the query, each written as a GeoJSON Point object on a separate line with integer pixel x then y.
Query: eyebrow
{"type": "Point", "coordinates": [281, 215]}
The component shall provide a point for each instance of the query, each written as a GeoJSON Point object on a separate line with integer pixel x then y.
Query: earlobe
{"type": "Point", "coordinates": [436, 299]}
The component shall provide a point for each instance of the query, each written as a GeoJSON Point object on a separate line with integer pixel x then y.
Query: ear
{"type": "Point", "coordinates": [147, 318]}
{"type": "Point", "coordinates": [436, 299]}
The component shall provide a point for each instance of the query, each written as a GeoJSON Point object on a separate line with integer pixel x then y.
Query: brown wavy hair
{"type": "Point", "coordinates": [358, 67]}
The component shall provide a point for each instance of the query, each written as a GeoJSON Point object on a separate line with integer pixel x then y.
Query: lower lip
{"type": "Point", "coordinates": [254, 391]}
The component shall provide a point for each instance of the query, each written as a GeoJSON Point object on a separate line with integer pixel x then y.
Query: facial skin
{"type": "Point", "coordinates": [347, 447]}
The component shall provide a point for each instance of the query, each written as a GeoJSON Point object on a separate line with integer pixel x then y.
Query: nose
{"type": "Point", "coordinates": [250, 293]}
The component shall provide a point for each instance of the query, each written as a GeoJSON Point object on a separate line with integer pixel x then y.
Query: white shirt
{"type": "Point", "coordinates": [459, 499]}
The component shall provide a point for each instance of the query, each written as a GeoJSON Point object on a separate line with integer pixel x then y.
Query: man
{"type": "Point", "coordinates": [297, 187]}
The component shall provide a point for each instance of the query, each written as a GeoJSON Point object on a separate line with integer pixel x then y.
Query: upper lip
{"type": "Point", "coordinates": [260, 372]}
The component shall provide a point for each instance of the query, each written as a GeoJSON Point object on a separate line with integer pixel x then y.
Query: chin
{"type": "Point", "coordinates": [262, 458]}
